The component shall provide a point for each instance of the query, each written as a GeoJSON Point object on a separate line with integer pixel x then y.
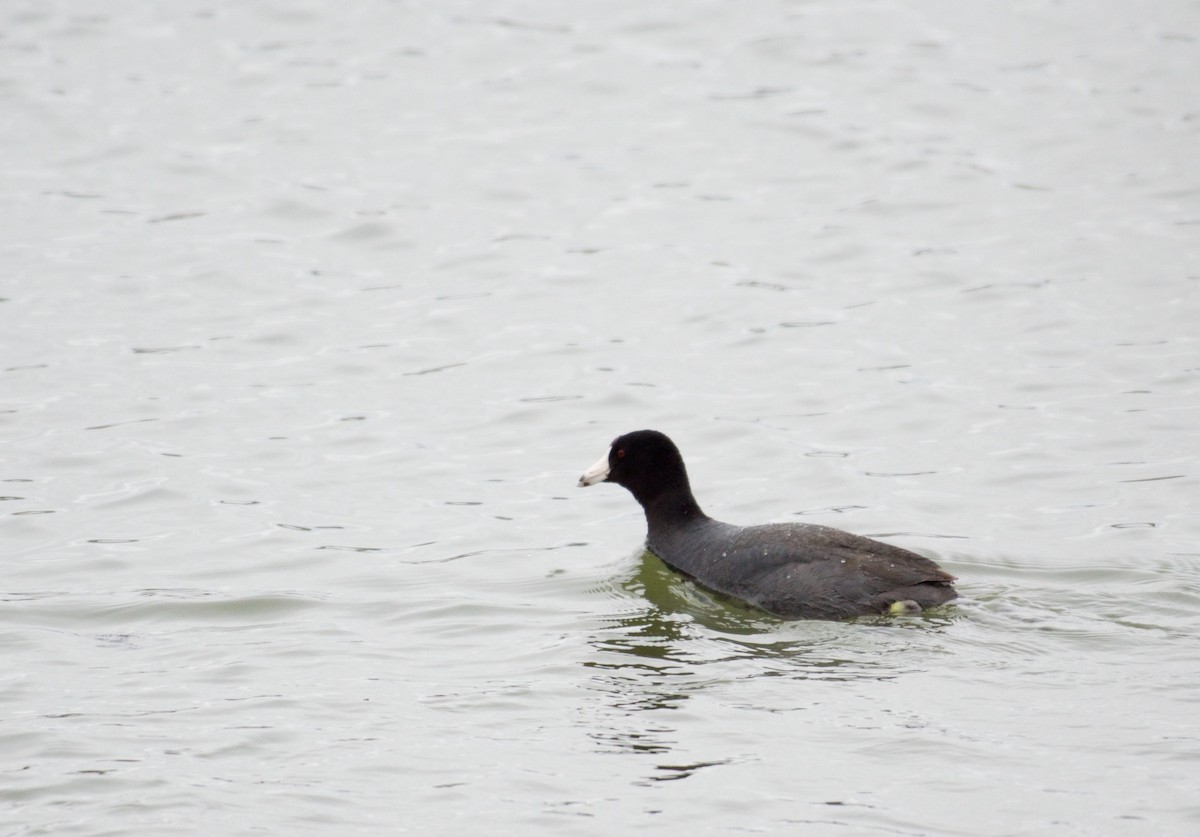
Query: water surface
{"type": "Point", "coordinates": [313, 315]}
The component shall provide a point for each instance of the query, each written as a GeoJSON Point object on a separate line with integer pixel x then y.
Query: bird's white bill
{"type": "Point", "coordinates": [596, 473]}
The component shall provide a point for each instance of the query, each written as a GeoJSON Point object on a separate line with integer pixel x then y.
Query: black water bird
{"type": "Point", "coordinates": [793, 570]}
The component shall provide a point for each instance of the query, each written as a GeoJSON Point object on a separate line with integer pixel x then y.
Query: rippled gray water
{"type": "Point", "coordinates": [313, 313]}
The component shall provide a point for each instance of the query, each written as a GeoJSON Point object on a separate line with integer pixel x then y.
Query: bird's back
{"type": "Point", "coordinates": [801, 570]}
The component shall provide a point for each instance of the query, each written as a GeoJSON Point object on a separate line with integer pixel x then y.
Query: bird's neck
{"type": "Point", "coordinates": [671, 509]}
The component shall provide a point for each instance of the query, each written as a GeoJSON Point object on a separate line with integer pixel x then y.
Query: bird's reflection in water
{"type": "Point", "coordinates": [670, 639]}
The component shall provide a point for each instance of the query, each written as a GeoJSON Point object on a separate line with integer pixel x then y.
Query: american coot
{"type": "Point", "coordinates": [794, 570]}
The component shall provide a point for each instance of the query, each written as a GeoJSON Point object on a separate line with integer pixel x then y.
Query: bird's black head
{"type": "Point", "coordinates": [648, 464]}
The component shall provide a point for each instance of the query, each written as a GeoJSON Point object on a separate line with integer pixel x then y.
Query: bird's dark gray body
{"type": "Point", "coordinates": [799, 570]}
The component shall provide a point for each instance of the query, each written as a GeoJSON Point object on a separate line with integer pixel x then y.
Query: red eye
{"type": "Point", "coordinates": [620, 453]}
